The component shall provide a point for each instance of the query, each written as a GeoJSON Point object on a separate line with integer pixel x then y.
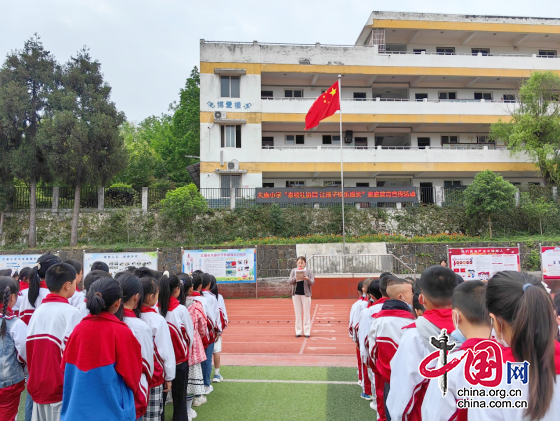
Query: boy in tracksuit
{"type": "Point", "coordinates": [356, 308]}
{"type": "Point", "coordinates": [49, 329]}
{"type": "Point", "coordinates": [385, 335]}
{"type": "Point", "coordinates": [436, 285]}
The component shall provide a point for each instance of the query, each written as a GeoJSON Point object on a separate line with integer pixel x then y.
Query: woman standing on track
{"type": "Point", "coordinates": [301, 280]}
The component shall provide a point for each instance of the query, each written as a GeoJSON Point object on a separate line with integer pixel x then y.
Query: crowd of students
{"type": "Point", "coordinates": [511, 320]}
{"type": "Point", "coordinates": [119, 349]}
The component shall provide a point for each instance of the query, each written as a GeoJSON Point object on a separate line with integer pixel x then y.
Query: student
{"type": "Point", "coordinates": [23, 281]}
{"type": "Point", "coordinates": [48, 333]}
{"type": "Point", "coordinates": [164, 355]}
{"type": "Point", "coordinates": [523, 319]}
{"type": "Point", "coordinates": [471, 320]}
{"type": "Point", "coordinates": [213, 315]}
{"type": "Point", "coordinates": [100, 266]}
{"type": "Point", "coordinates": [91, 277]}
{"type": "Point", "coordinates": [181, 329]}
{"type": "Point", "coordinates": [13, 333]}
{"type": "Point", "coordinates": [32, 297]}
{"type": "Point", "coordinates": [133, 296]}
{"type": "Point", "coordinates": [385, 335]}
{"type": "Point", "coordinates": [223, 323]}
{"type": "Point", "coordinates": [416, 306]}
{"type": "Point", "coordinates": [195, 389]}
{"type": "Point", "coordinates": [557, 307]}
{"type": "Point", "coordinates": [78, 296]}
{"type": "Point", "coordinates": [361, 299]}
{"type": "Point", "coordinates": [101, 382]}
{"type": "Point", "coordinates": [436, 286]}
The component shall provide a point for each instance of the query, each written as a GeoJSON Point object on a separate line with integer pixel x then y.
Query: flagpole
{"type": "Point", "coordinates": [341, 165]}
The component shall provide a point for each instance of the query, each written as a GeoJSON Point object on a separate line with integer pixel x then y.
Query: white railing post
{"type": "Point", "coordinates": [145, 199]}
{"type": "Point", "coordinates": [101, 198]}
{"type": "Point", "coordinates": [517, 198]}
{"type": "Point", "coordinates": [55, 199]}
{"type": "Point", "coordinates": [231, 193]}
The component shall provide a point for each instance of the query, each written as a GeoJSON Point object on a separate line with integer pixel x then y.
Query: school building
{"type": "Point", "coordinates": [419, 92]}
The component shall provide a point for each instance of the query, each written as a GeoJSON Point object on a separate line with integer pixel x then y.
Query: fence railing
{"type": "Point", "coordinates": [358, 263]}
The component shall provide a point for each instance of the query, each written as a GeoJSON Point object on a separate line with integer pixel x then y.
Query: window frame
{"type": "Point", "coordinates": [447, 93]}
{"type": "Point", "coordinates": [331, 139]}
{"type": "Point", "coordinates": [424, 145]}
{"type": "Point", "coordinates": [360, 98]}
{"type": "Point", "coordinates": [545, 53]}
{"type": "Point", "coordinates": [451, 51]}
{"type": "Point", "coordinates": [358, 143]}
{"type": "Point", "coordinates": [483, 93]}
{"type": "Point", "coordinates": [290, 184]}
{"type": "Point", "coordinates": [332, 183]}
{"type": "Point", "coordinates": [267, 96]}
{"type": "Point", "coordinates": [484, 50]}
{"type": "Point", "coordinates": [267, 139]}
{"type": "Point", "coordinates": [229, 88]}
{"type": "Point", "coordinates": [292, 93]}
{"type": "Point", "coordinates": [237, 136]}
{"type": "Point", "coordinates": [422, 98]}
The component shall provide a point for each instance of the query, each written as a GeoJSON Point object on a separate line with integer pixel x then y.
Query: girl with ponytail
{"type": "Point", "coordinates": [182, 332]}
{"type": "Point", "coordinates": [523, 318]}
{"type": "Point", "coordinates": [102, 360]}
{"type": "Point", "coordinates": [13, 333]}
{"type": "Point", "coordinates": [32, 297]}
{"type": "Point", "coordinates": [133, 296]}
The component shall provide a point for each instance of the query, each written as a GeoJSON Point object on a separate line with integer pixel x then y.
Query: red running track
{"type": "Point", "coordinates": [262, 332]}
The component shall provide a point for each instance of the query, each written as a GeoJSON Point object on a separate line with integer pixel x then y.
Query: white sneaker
{"type": "Point", "coordinates": [373, 406]}
{"type": "Point", "coordinates": [208, 389]}
{"type": "Point", "coordinates": [360, 382]}
{"type": "Point", "coordinates": [192, 414]}
{"type": "Point", "coordinates": [169, 399]}
{"type": "Point", "coordinates": [199, 400]}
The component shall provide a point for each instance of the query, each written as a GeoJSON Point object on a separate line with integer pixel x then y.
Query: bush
{"type": "Point", "coordinates": [121, 195]}
{"type": "Point", "coordinates": [181, 207]}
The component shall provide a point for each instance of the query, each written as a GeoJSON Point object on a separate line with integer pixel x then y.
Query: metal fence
{"type": "Point", "coordinates": [358, 263]}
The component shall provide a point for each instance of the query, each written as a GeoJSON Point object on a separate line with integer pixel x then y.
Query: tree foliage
{"type": "Point", "coordinates": [488, 195]}
{"type": "Point", "coordinates": [534, 127]}
{"type": "Point", "coordinates": [182, 205]}
{"type": "Point", "coordinates": [537, 208]}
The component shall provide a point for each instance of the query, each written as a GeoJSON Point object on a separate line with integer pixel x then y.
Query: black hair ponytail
{"type": "Point", "coordinates": [131, 286]}
{"type": "Point", "coordinates": [149, 287]}
{"type": "Point", "coordinates": [167, 284]}
{"type": "Point", "coordinates": [102, 295]}
{"type": "Point", "coordinates": [8, 287]}
{"type": "Point", "coordinates": [38, 272]}
{"type": "Point", "coordinates": [522, 301]}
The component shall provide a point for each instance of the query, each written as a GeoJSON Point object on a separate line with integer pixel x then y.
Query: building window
{"type": "Point", "coordinates": [360, 143]}
{"type": "Point", "coordinates": [423, 142]}
{"type": "Point", "coordinates": [447, 95]}
{"type": "Point", "coordinates": [450, 184]}
{"type": "Point", "coordinates": [359, 96]}
{"type": "Point", "coordinates": [548, 53]}
{"type": "Point", "coordinates": [484, 139]}
{"type": "Point", "coordinates": [267, 94]}
{"type": "Point", "coordinates": [331, 140]}
{"type": "Point", "coordinates": [445, 140]}
{"type": "Point", "coordinates": [295, 183]}
{"type": "Point", "coordinates": [230, 86]}
{"type": "Point", "coordinates": [533, 183]}
{"type": "Point", "coordinates": [420, 97]}
{"type": "Point", "coordinates": [483, 51]}
{"type": "Point", "coordinates": [231, 136]}
{"type": "Point", "coordinates": [331, 183]}
{"type": "Point", "coordinates": [419, 50]}
{"type": "Point", "coordinates": [293, 93]}
{"type": "Point", "coordinates": [516, 184]}
{"type": "Point", "coordinates": [295, 139]}
{"type": "Point", "coordinates": [509, 98]}
{"type": "Point", "coordinates": [486, 96]}
{"type": "Point", "coordinates": [445, 51]}
{"type": "Point", "coordinates": [225, 184]}
{"type": "Point", "coordinates": [268, 142]}
{"type": "Point", "coordinates": [268, 185]}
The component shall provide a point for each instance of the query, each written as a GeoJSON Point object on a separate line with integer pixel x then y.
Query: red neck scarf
{"type": "Point", "coordinates": [380, 301]}
{"type": "Point", "coordinates": [173, 303]}
{"type": "Point", "coordinates": [55, 298]}
{"type": "Point", "coordinates": [43, 284]}
{"type": "Point", "coordinates": [129, 313]}
{"type": "Point", "coordinates": [441, 317]}
{"type": "Point", "coordinates": [196, 294]}
{"type": "Point", "coordinates": [146, 309]}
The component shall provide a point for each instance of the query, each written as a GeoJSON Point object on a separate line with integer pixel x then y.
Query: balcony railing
{"type": "Point", "coordinates": [501, 101]}
{"type": "Point", "coordinates": [453, 146]}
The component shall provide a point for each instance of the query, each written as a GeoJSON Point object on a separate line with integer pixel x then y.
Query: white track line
{"type": "Point", "coordinates": [311, 327]}
{"type": "Point", "coordinates": [286, 381]}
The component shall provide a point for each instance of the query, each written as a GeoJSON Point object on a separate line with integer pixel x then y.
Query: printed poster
{"type": "Point", "coordinates": [228, 266]}
{"type": "Point", "coordinates": [482, 263]}
{"type": "Point", "coordinates": [550, 262]}
{"type": "Point", "coordinates": [18, 261]}
{"type": "Point", "coordinates": [118, 262]}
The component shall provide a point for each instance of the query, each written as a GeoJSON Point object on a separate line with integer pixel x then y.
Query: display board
{"type": "Point", "coordinates": [550, 260]}
{"type": "Point", "coordinates": [334, 194]}
{"type": "Point", "coordinates": [228, 266]}
{"type": "Point", "coordinates": [118, 262]}
{"type": "Point", "coordinates": [18, 261]}
{"type": "Point", "coordinates": [483, 262]}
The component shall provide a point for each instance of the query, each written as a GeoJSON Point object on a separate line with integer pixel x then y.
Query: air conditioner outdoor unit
{"type": "Point", "coordinates": [232, 165]}
{"type": "Point", "coordinates": [220, 115]}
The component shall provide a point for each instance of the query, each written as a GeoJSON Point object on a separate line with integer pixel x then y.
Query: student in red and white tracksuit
{"type": "Point", "coordinates": [223, 324]}
{"type": "Point", "coordinates": [182, 331]}
{"type": "Point", "coordinates": [385, 334]}
{"type": "Point", "coordinates": [49, 330]}
{"type": "Point", "coordinates": [132, 297]}
{"type": "Point", "coordinates": [164, 355]}
{"type": "Point", "coordinates": [357, 308]}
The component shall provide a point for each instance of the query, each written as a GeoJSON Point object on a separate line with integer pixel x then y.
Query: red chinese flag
{"type": "Point", "coordinates": [324, 106]}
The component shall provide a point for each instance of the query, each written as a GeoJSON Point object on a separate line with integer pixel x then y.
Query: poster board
{"type": "Point", "coordinates": [550, 261]}
{"type": "Point", "coordinates": [118, 262]}
{"type": "Point", "coordinates": [18, 261]}
{"type": "Point", "coordinates": [482, 263]}
{"type": "Point", "coordinates": [228, 266]}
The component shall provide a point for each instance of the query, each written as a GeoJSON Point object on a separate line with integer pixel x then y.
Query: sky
{"type": "Point", "coordinates": [147, 49]}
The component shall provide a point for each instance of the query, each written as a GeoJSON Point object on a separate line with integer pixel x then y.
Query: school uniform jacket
{"type": "Point", "coordinates": [364, 328]}
{"type": "Point", "coordinates": [355, 314]}
{"type": "Point", "coordinates": [143, 334]}
{"type": "Point", "coordinates": [164, 355]}
{"type": "Point", "coordinates": [223, 312]}
{"type": "Point", "coordinates": [406, 405]}
{"type": "Point", "coordinates": [101, 380]}
{"type": "Point", "coordinates": [385, 333]}
{"type": "Point", "coordinates": [82, 308]}
{"type": "Point", "coordinates": [18, 332]}
{"type": "Point", "coordinates": [77, 298]}
{"type": "Point", "coordinates": [47, 335]}
{"type": "Point", "coordinates": [181, 329]}
{"type": "Point", "coordinates": [215, 312]}
{"type": "Point", "coordinates": [210, 313]}
{"type": "Point", "coordinates": [25, 308]}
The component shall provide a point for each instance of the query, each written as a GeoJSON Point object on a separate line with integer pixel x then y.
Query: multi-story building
{"type": "Point", "coordinates": [419, 92]}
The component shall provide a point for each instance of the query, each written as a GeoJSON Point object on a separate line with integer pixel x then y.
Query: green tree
{"type": "Point", "coordinates": [534, 127]}
{"type": "Point", "coordinates": [488, 195]}
{"type": "Point", "coordinates": [27, 80]}
{"type": "Point", "coordinates": [538, 208]}
{"type": "Point", "coordinates": [180, 208]}
{"type": "Point", "coordinates": [81, 138]}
